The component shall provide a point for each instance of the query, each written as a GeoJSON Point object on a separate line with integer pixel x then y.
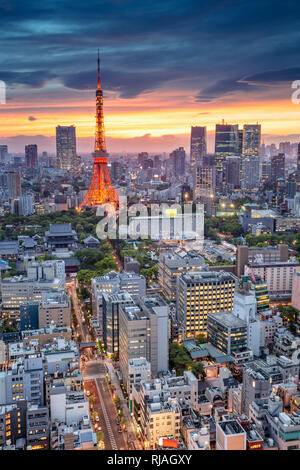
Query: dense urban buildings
{"type": "Point", "coordinates": [150, 298]}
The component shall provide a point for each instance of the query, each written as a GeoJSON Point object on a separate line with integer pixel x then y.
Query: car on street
{"type": "Point", "coordinates": [119, 429]}
{"type": "Point", "coordinates": [88, 393]}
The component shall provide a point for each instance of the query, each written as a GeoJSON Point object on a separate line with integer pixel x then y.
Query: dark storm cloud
{"type": "Point", "coordinates": [222, 88]}
{"type": "Point", "coordinates": [33, 79]}
{"type": "Point", "coordinates": [274, 76]}
{"type": "Point", "coordinates": [146, 45]}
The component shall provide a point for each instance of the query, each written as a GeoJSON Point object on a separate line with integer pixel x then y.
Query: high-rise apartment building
{"type": "Point", "coordinates": [31, 156]}
{"type": "Point", "coordinates": [198, 145]}
{"type": "Point", "coordinates": [14, 185]}
{"type": "Point", "coordinates": [202, 293]}
{"type": "Point", "coordinates": [66, 147]}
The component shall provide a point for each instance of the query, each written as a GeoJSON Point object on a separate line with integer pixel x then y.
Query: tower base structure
{"type": "Point", "coordinates": [101, 190]}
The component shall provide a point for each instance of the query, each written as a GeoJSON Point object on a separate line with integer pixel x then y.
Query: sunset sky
{"type": "Point", "coordinates": [166, 65]}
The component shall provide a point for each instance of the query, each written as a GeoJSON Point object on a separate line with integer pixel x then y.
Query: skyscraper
{"type": "Point", "coordinates": [251, 140]}
{"type": "Point", "coordinates": [232, 172]}
{"type": "Point", "coordinates": [298, 170]}
{"type": "Point", "coordinates": [31, 156]}
{"type": "Point", "coordinates": [66, 147]}
{"type": "Point", "coordinates": [204, 182]}
{"type": "Point", "coordinates": [198, 145]}
{"type": "Point", "coordinates": [14, 185]}
{"type": "Point", "coordinates": [277, 167]}
{"type": "Point", "coordinates": [177, 158]}
{"type": "Point", "coordinates": [227, 144]}
{"type": "Point", "coordinates": [3, 152]}
{"type": "Point", "coordinates": [204, 186]}
{"type": "Point", "coordinates": [250, 155]}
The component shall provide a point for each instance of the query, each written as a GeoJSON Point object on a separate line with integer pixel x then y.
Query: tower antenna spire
{"type": "Point", "coordinates": [99, 84]}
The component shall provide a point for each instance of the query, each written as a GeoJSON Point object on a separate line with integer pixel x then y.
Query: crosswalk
{"type": "Point", "coordinates": [107, 422]}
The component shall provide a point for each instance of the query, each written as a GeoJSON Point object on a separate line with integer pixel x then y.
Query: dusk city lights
{"type": "Point", "coordinates": [149, 230]}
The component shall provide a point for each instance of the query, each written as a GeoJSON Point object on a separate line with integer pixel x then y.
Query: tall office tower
{"type": "Point", "coordinates": [157, 161]}
{"type": "Point", "coordinates": [298, 170]}
{"type": "Point", "coordinates": [143, 332]}
{"type": "Point", "coordinates": [273, 150]}
{"type": "Point", "coordinates": [250, 173]}
{"type": "Point", "coordinates": [66, 147]}
{"type": "Point", "coordinates": [110, 311]}
{"type": "Point", "coordinates": [251, 140]}
{"type": "Point", "coordinates": [115, 170]}
{"type": "Point", "coordinates": [177, 158]}
{"type": "Point", "coordinates": [226, 145]}
{"type": "Point", "coordinates": [204, 184]}
{"type": "Point", "coordinates": [241, 140]}
{"type": "Point", "coordinates": [201, 293]}
{"type": "Point", "coordinates": [3, 153]}
{"type": "Point", "coordinates": [285, 147]}
{"type": "Point", "coordinates": [198, 145]}
{"type": "Point", "coordinates": [31, 156]}
{"type": "Point", "coordinates": [265, 173]}
{"type": "Point", "coordinates": [14, 185]}
{"type": "Point", "coordinates": [277, 167]}
{"type": "Point", "coordinates": [291, 187]}
{"type": "Point", "coordinates": [232, 172]}
{"type": "Point", "coordinates": [250, 156]}
{"type": "Point", "coordinates": [142, 157]}
{"type": "Point", "coordinates": [262, 150]}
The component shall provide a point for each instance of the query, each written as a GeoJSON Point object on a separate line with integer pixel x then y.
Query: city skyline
{"type": "Point", "coordinates": [156, 83]}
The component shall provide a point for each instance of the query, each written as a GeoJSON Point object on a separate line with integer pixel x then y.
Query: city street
{"type": "Point", "coordinates": [95, 382]}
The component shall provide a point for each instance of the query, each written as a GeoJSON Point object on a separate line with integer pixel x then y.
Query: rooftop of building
{"type": "Point", "coordinates": [54, 298]}
{"type": "Point", "coordinates": [179, 257]}
{"type": "Point", "coordinates": [142, 308]}
{"type": "Point", "coordinates": [231, 427]}
{"type": "Point", "coordinates": [60, 230]}
{"type": "Point", "coordinates": [227, 320]}
{"type": "Point", "coordinates": [207, 276]}
{"type": "Point", "coordinates": [201, 351]}
{"type": "Point", "coordinates": [157, 404]}
{"type": "Point", "coordinates": [51, 330]}
{"type": "Point", "coordinates": [138, 362]}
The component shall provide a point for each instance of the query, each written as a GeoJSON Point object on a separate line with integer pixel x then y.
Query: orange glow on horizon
{"type": "Point", "coordinates": [157, 113]}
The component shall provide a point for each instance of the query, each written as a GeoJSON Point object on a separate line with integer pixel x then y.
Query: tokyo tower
{"type": "Point", "coordinates": [101, 190]}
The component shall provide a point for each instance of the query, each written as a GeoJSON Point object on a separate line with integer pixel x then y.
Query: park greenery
{"type": "Point", "coordinates": [214, 226]}
{"type": "Point", "coordinates": [181, 361]}
{"type": "Point", "coordinates": [289, 317]}
{"type": "Point", "coordinates": [83, 222]}
{"type": "Point", "coordinates": [93, 263]}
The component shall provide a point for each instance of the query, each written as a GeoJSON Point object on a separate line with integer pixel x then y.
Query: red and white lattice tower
{"type": "Point", "coordinates": [101, 190]}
